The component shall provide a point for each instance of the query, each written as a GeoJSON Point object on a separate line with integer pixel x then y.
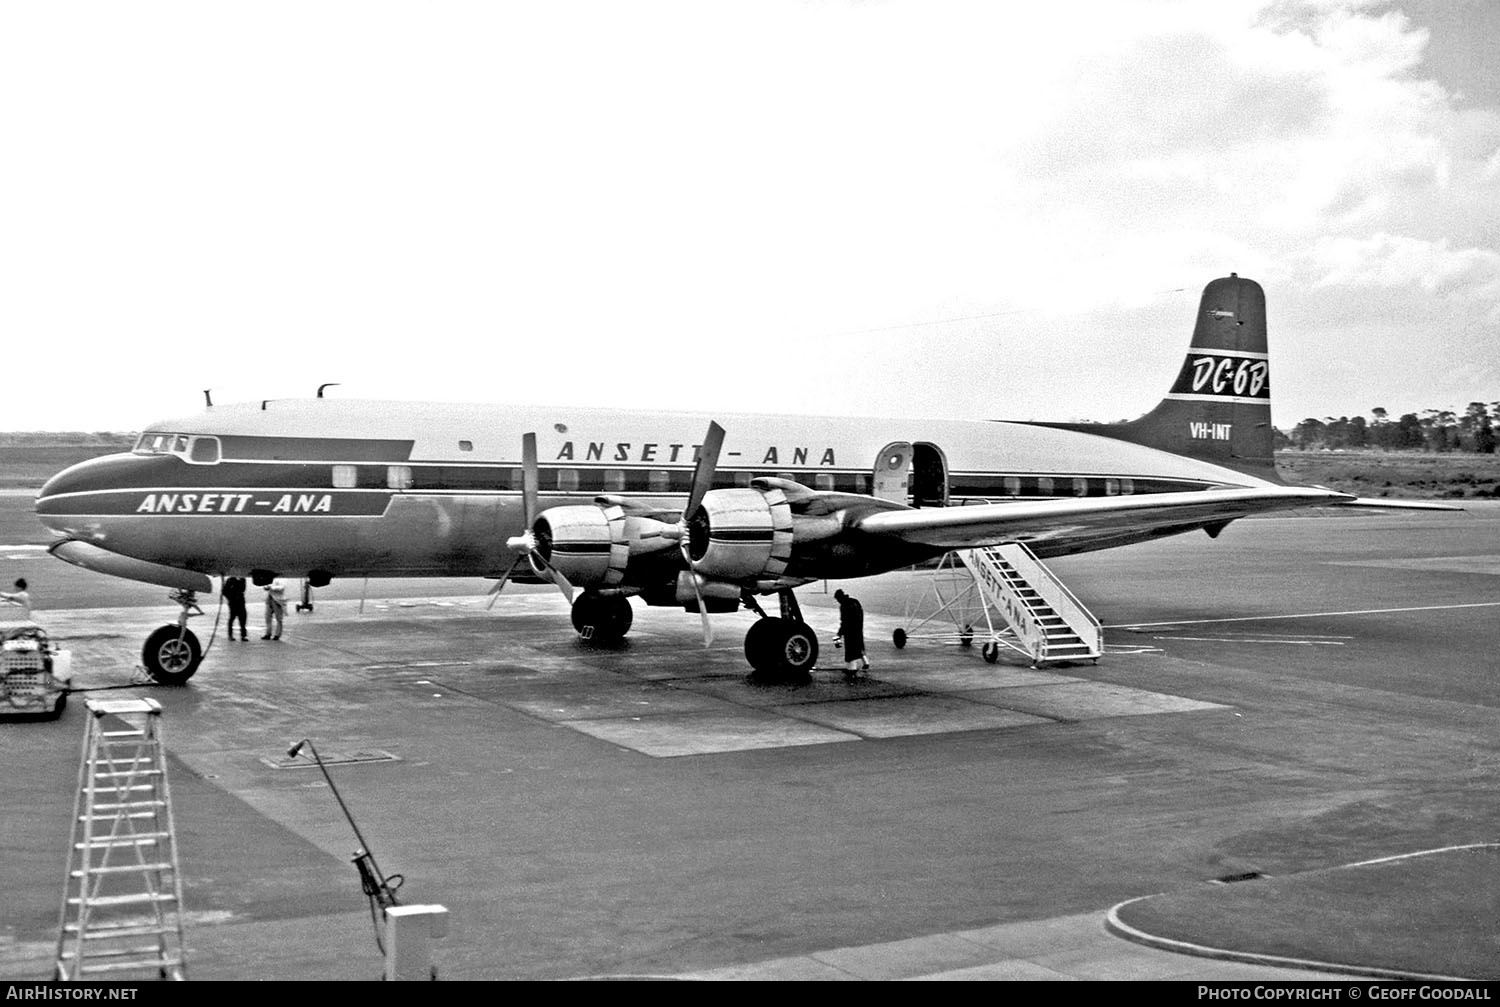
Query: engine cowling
{"type": "Point", "coordinates": [736, 537]}
{"type": "Point", "coordinates": [593, 544]}
{"type": "Point", "coordinates": [741, 534]}
{"type": "Point", "coordinates": [585, 544]}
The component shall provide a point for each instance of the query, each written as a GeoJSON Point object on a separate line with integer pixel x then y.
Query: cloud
{"type": "Point", "coordinates": [595, 202]}
{"type": "Point", "coordinates": [1395, 261]}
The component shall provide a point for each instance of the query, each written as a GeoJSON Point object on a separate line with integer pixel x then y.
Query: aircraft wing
{"type": "Point", "coordinates": [1086, 517]}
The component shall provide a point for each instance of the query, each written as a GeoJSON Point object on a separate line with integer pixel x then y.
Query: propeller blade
{"type": "Point", "coordinates": [703, 481]}
{"type": "Point", "coordinates": [530, 478]}
{"type": "Point", "coordinates": [703, 473]}
{"type": "Point", "coordinates": [708, 626]}
{"type": "Point", "coordinates": [547, 571]}
{"type": "Point", "coordinates": [563, 584]}
{"type": "Point", "coordinates": [494, 592]}
{"type": "Point", "coordinates": [525, 543]}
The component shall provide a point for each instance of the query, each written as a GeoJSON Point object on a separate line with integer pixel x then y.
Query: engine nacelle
{"type": "Point", "coordinates": [585, 544]}
{"type": "Point", "coordinates": [739, 534]}
{"type": "Point", "coordinates": [717, 596]}
{"type": "Point", "coordinates": [592, 544]}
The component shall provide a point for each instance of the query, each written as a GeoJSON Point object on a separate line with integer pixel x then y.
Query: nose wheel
{"type": "Point", "coordinates": [172, 653]}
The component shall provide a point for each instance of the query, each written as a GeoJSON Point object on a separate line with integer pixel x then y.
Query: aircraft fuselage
{"type": "Point", "coordinates": [357, 488]}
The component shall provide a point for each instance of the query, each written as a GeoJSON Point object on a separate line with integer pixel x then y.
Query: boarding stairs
{"type": "Point", "coordinates": [121, 913]}
{"type": "Point", "coordinates": [1047, 622]}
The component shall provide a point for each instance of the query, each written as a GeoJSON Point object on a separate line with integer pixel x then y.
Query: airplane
{"type": "Point", "coordinates": [673, 509]}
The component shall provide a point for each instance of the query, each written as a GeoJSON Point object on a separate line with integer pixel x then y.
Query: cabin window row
{"type": "Point", "coordinates": [985, 487]}
{"type": "Point", "coordinates": [625, 481]}
{"type": "Point", "coordinates": [570, 480]}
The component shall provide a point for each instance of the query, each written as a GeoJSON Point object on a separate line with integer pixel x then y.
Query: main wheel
{"type": "Point", "coordinates": [760, 643]}
{"type": "Point", "coordinates": [171, 655]}
{"type": "Point", "coordinates": [787, 651]}
{"type": "Point", "coordinates": [899, 638]}
{"type": "Point", "coordinates": [781, 650]}
{"type": "Point", "coordinates": [797, 651]}
{"type": "Point", "coordinates": [602, 618]}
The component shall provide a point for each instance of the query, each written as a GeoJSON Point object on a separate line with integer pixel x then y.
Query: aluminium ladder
{"type": "Point", "coordinates": [121, 913]}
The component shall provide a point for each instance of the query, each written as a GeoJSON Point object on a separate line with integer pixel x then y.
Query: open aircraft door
{"type": "Point", "coordinates": [929, 476]}
{"type": "Point", "coordinates": [915, 474]}
{"type": "Point", "coordinates": [893, 473]}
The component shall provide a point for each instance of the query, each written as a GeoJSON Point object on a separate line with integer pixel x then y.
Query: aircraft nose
{"type": "Point", "coordinates": [70, 480]}
{"type": "Point", "coordinates": [80, 490]}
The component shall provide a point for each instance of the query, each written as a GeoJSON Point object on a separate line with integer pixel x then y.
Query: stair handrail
{"type": "Point", "coordinates": [1004, 596]}
{"type": "Point", "coordinates": [1056, 594]}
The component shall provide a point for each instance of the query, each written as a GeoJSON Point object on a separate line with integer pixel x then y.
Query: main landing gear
{"type": "Point", "coordinates": [783, 649]}
{"type": "Point", "coordinates": [780, 649]}
{"type": "Point", "coordinates": [602, 618]}
{"type": "Point", "coordinates": [172, 653]}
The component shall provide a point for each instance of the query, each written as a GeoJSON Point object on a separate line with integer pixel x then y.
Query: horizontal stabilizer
{"type": "Point", "coordinates": [1380, 503]}
{"type": "Point", "coordinates": [91, 557]}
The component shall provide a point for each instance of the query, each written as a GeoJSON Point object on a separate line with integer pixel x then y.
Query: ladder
{"type": "Point", "coordinates": [1049, 622]}
{"type": "Point", "coordinates": [122, 906]}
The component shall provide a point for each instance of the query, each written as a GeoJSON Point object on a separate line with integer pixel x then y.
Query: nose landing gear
{"type": "Point", "coordinates": [172, 653]}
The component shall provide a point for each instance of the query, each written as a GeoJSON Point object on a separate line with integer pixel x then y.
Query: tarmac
{"type": "Point", "coordinates": [1284, 768]}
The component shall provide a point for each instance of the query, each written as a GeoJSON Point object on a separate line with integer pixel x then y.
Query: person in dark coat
{"type": "Point", "coordinates": [234, 593]}
{"type": "Point", "coordinates": [852, 633]}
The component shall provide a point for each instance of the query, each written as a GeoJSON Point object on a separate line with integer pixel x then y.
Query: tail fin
{"type": "Point", "coordinates": [1219, 408]}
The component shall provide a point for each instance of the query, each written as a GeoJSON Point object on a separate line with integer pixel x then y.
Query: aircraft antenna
{"type": "Point", "coordinates": [208, 397]}
{"type": "Point", "coordinates": [326, 384]}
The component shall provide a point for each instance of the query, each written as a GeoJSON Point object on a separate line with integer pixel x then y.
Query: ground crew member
{"type": "Point", "coordinates": [852, 633]}
{"type": "Point", "coordinates": [234, 593]}
{"type": "Point", "coordinates": [19, 597]}
{"type": "Point", "coordinates": [275, 608]}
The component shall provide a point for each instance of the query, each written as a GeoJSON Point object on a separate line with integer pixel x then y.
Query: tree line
{"type": "Point", "coordinates": [1438, 430]}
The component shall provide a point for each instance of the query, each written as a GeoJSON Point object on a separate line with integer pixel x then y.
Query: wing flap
{"type": "Point", "coordinates": [1042, 520]}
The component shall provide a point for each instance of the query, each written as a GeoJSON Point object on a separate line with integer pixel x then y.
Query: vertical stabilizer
{"type": "Point", "coordinates": [1219, 408]}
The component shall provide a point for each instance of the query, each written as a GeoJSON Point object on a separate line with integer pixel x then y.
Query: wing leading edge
{"type": "Point", "coordinates": [1084, 520]}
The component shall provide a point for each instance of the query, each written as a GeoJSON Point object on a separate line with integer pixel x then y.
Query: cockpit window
{"type": "Point", "coordinates": [200, 449]}
{"type": "Point", "coordinates": [205, 450]}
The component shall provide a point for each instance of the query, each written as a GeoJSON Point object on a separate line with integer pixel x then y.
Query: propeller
{"type": "Point", "coordinates": [524, 545]}
{"type": "Point", "coordinates": [703, 481]}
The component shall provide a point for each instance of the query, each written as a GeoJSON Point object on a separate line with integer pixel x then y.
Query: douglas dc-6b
{"type": "Point", "coordinates": [672, 509]}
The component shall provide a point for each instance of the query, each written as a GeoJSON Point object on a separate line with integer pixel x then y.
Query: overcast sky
{"type": "Point", "coordinates": [970, 210]}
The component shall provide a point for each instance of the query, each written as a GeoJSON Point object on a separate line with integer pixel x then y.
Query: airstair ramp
{"type": "Point", "coordinates": [1048, 622]}
{"type": "Point", "coordinates": [1004, 597]}
{"type": "Point", "coordinates": [121, 916]}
